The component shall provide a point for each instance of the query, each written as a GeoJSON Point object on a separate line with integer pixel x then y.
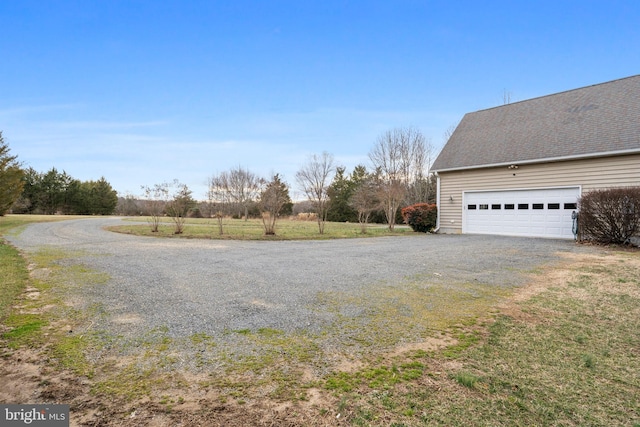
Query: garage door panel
{"type": "Point", "coordinates": [536, 213]}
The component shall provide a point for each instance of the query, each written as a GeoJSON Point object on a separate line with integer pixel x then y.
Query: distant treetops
{"type": "Point", "coordinates": [57, 192]}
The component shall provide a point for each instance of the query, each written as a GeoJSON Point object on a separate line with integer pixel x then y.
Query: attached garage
{"type": "Point", "coordinates": [540, 212]}
{"type": "Point", "coordinates": [520, 169]}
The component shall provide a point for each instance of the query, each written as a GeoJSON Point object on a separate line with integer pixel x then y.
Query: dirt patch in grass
{"type": "Point", "coordinates": [20, 373]}
{"type": "Point", "coordinates": [430, 344]}
{"type": "Point", "coordinates": [27, 376]}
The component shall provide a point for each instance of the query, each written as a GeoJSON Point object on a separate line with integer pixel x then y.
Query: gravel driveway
{"type": "Point", "coordinates": [208, 286]}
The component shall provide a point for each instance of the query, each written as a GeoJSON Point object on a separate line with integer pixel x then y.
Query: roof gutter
{"type": "Point", "coordinates": [543, 160]}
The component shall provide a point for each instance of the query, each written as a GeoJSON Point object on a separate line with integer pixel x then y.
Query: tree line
{"type": "Point", "coordinates": [237, 193]}
{"type": "Point", "coordinates": [398, 175]}
{"type": "Point", "coordinates": [54, 192]}
{"type": "Point", "coordinates": [29, 191]}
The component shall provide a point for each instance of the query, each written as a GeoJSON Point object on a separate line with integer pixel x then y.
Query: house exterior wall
{"type": "Point", "coordinates": [589, 174]}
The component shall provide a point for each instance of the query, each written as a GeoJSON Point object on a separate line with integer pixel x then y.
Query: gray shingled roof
{"type": "Point", "coordinates": [603, 118]}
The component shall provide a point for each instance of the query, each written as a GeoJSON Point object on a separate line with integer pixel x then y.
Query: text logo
{"type": "Point", "coordinates": [34, 415]}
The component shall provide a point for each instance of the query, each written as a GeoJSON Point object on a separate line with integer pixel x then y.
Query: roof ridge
{"type": "Point", "coordinates": [557, 93]}
{"type": "Point", "coordinates": [548, 127]}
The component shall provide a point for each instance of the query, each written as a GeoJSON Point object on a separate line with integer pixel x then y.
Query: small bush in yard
{"type": "Point", "coordinates": [421, 217]}
{"type": "Point", "coordinates": [611, 215]}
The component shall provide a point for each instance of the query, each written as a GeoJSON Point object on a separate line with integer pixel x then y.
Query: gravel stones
{"type": "Point", "coordinates": [207, 286]}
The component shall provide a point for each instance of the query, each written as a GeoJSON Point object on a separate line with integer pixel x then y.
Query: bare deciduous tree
{"type": "Point", "coordinates": [237, 188]}
{"type": "Point", "coordinates": [417, 176]}
{"type": "Point", "coordinates": [242, 187]}
{"type": "Point", "coordinates": [273, 198]}
{"type": "Point", "coordinates": [314, 179]}
{"type": "Point", "coordinates": [156, 199]}
{"type": "Point", "coordinates": [217, 199]}
{"type": "Point", "coordinates": [401, 157]}
{"type": "Point", "coordinates": [365, 200]}
{"type": "Point", "coordinates": [390, 194]}
{"type": "Point", "coordinates": [179, 205]}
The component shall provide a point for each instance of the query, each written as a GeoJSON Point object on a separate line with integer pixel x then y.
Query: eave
{"type": "Point", "coordinates": [544, 160]}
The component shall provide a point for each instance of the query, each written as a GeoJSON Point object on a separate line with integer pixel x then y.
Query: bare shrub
{"type": "Point", "coordinates": [179, 206]}
{"type": "Point", "coordinates": [156, 199]}
{"type": "Point", "coordinates": [611, 215]}
{"type": "Point", "coordinates": [218, 199]}
{"type": "Point", "coordinates": [274, 197]}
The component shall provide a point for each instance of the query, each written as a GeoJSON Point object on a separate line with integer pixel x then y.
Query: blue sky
{"type": "Point", "coordinates": [147, 91]}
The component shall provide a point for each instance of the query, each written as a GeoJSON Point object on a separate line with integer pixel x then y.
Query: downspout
{"type": "Point", "coordinates": [437, 229]}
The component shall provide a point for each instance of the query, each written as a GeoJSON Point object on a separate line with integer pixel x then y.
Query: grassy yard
{"type": "Point", "coordinates": [13, 270]}
{"type": "Point", "coordinates": [562, 351]}
{"type": "Point", "coordinates": [252, 229]}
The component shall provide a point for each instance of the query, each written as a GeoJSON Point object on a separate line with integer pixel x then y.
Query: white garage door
{"type": "Point", "coordinates": [535, 213]}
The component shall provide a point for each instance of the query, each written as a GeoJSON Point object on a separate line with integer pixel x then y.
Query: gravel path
{"type": "Point", "coordinates": [209, 286]}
